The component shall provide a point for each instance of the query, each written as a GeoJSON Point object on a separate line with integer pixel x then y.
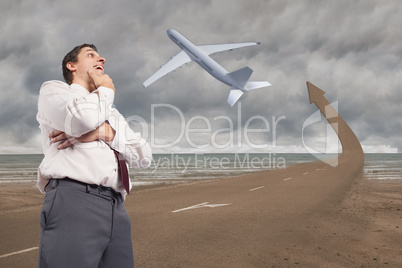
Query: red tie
{"type": "Point", "coordinates": [123, 171]}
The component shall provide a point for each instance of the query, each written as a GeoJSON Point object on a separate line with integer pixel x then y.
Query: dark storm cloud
{"type": "Point", "coordinates": [350, 49]}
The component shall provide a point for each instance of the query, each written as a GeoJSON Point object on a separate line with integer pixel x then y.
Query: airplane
{"type": "Point", "coordinates": [237, 80]}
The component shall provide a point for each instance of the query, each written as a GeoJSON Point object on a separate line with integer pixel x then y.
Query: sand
{"type": "Point", "coordinates": [363, 229]}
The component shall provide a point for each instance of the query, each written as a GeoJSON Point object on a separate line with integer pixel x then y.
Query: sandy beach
{"type": "Point", "coordinates": [359, 227]}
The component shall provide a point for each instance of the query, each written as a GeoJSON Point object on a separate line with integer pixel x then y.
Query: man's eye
{"type": "Point", "coordinates": [91, 55]}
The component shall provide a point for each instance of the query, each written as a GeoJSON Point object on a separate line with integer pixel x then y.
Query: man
{"type": "Point", "coordinates": [84, 222]}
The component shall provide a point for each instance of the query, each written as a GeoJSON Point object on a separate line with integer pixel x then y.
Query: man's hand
{"type": "Point", "coordinates": [104, 132]}
{"type": "Point", "coordinates": [101, 80]}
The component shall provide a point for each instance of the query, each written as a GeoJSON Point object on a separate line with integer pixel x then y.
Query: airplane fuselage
{"type": "Point", "coordinates": [238, 80]}
{"type": "Point", "coordinates": [196, 54]}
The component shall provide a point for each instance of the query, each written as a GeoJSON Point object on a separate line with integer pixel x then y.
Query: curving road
{"type": "Point", "coordinates": [243, 221]}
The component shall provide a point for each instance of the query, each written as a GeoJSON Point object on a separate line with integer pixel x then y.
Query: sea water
{"type": "Point", "coordinates": [383, 166]}
{"type": "Point", "coordinates": [172, 168]}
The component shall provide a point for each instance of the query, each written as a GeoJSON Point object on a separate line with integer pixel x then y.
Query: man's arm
{"type": "Point", "coordinates": [104, 132]}
{"type": "Point", "coordinates": [118, 135]}
{"type": "Point", "coordinates": [65, 110]}
{"type": "Point", "coordinates": [135, 150]}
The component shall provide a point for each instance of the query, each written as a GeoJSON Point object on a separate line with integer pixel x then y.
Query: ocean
{"type": "Point", "coordinates": [172, 168]}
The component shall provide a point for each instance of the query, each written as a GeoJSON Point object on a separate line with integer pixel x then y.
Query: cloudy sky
{"type": "Point", "coordinates": [350, 49]}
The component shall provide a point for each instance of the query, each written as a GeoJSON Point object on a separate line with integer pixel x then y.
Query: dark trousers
{"type": "Point", "coordinates": [84, 226]}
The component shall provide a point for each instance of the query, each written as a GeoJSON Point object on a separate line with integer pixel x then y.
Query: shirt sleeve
{"type": "Point", "coordinates": [71, 113]}
{"type": "Point", "coordinates": [135, 150]}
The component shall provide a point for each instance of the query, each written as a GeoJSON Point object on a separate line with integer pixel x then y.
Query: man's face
{"type": "Point", "coordinates": [87, 59]}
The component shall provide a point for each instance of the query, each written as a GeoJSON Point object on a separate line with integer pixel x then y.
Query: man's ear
{"type": "Point", "coordinates": [71, 66]}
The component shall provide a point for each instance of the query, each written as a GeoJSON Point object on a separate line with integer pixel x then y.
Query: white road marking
{"type": "Point", "coordinates": [258, 188]}
{"type": "Point", "coordinates": [205, 204]}
{"type": "Point", "coordinates": [18, 252]}
{"type": "Point", "coordinates": [305, 173]}
{"type": "Point", "coordinates": [288, 179]}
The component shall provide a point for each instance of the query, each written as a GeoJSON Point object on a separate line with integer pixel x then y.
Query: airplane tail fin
{"type": "Point", "coordinates": [254, 85]}
{"type": "Point", "coordinates": [234, 96]}
{"type": "Point", "coordinates": [242, 75]}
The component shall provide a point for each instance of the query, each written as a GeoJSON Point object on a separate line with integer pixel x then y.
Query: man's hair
{"type": "Point", "coordinates": [72, 56]}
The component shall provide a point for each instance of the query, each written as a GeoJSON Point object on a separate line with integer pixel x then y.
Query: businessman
{"type": "Point", "coordinates": [87, 147]}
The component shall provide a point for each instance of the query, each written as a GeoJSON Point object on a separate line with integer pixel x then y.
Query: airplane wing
{"type": "Point", "coordinates": [174, 63]}
{"type": "Point", "coordinates": [211, 49]}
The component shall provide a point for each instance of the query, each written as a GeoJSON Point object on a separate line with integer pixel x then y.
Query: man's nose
{"type": "Point", "coordinates": [101, 59]}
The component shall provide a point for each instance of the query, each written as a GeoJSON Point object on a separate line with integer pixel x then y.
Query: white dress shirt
{"type": "Point", "coordinates": [75, 111]}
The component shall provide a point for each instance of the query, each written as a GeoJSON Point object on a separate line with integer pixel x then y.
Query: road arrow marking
{"type": "Point", "coordinates": [202, 205]}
